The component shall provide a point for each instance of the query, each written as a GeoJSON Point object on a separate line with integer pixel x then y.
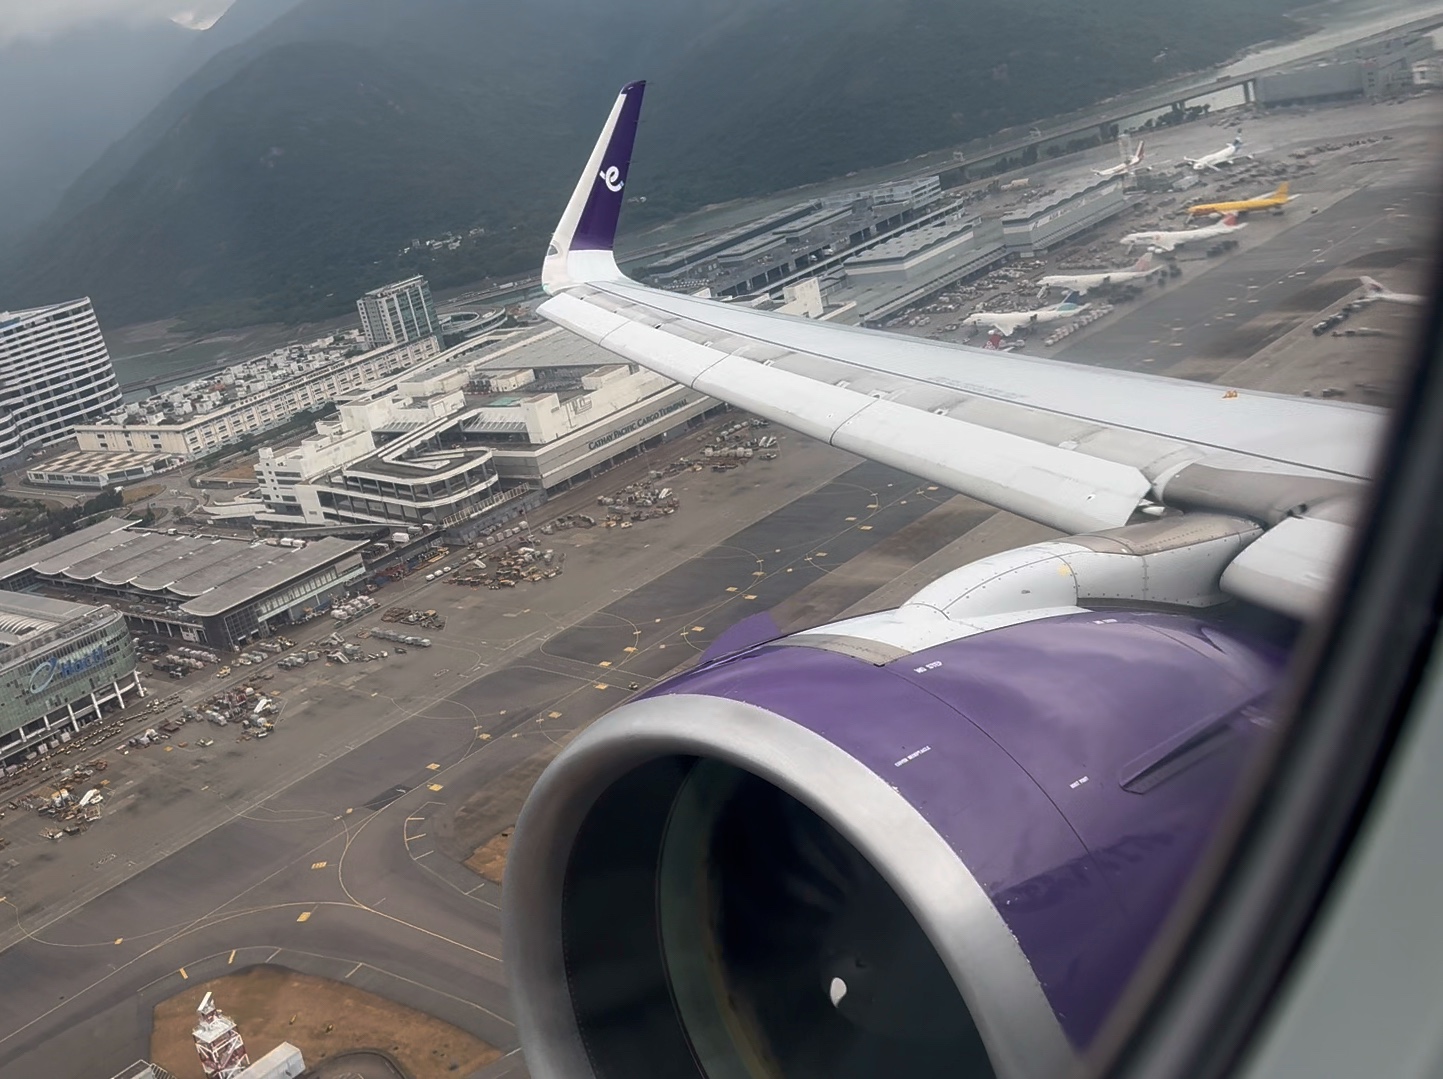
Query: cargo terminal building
{"type": "Point", "coordinates": [62, 665]}
{"type": "Point", "coordinates": [214, 590]}
{"type": "Point", "coordinates": [1059, 215]}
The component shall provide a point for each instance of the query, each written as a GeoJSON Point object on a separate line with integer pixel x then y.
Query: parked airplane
{"type": "Point", "coordinates": [1009, 322]}
{"type": "Point", "coordinates": [1167, 239]}
{"type": "Point", "coordinates": [1217, 157]}
{"type": "Point", "coordinates": [1373, 291]}
{"type": "Point", "coordinates": [1276, 200]}
{"type": "Point", "coordinates": [942, 837]}
{"type": "Point", "coordinates": [1081, 283]}
{"type": "Point", "coordinates": [1125, 168]}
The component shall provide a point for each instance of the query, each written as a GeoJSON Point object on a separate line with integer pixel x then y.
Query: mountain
{"type": "Point", "coordinates": [288, 172]}
{"type": "Point", "coordinates": [65, 97]}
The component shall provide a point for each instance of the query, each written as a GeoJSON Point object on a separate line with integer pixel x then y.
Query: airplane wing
{"type": "Point", "coordinates": [1077, 448]}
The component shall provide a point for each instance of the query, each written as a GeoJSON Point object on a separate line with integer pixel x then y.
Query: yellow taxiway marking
{"type": "Point", "coordinates": [184, 976]}
{"type": "Point", "coordinates": [823, 554]}
{"type": "Point", "coordinates": [433, 767]}
{"type": "Point", "coordinates": [749, 596]}
{"type": "Point", "coordinates": [553, 715]}
{"type": "Point", "coordinates": [413, 838]}
{"type": "Point", "coordinates": [601, 685]}
{"type": "Point", "coordinates": [304, 916]}
{"type": "Point", "coordinates": [433, 786]}
{"type": "Point", "coordinates": [759, 573]}
{"type": "Point", "coordinates": [319, 865]}
{"type": "Point", "coordinates": [604, 663]}
{"type": "Point", "coordinates": [697, 629]}
{"type": "Point", "coordinates": [119, 940]}
{"type": "Point", "coordinates": [733, 588]}
{"type": "Point", "coordinates": [170, 749]}
{"type": "Point", "coordinates": [348, 811]}
{"type": "Point", "coordinates": [851, 518]}
{"type": "Point", "coordinates": [865, 528]}
{"type": "Point", "coordinates": [231, 960]}
{"type": "Point", "coordinates": [629, 648]}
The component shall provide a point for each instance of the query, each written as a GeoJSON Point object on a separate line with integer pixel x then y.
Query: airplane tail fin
{"type": "Point", "coordinates": [1144, 264]}
{"type": "Point", "coordinates": [1230, 220]}
{"type": "Point", "coordinates": [1137, 157]}
{"type": "Point", "coordinates": [1282, 191]}
{"type": "Point", "coordinates": [581, 246]}
{"type": "Point", "coordinates": [1072, 299]}
{"type": "Point", "coordinates": [1371, 285]}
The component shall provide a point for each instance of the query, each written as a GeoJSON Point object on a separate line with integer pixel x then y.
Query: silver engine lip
{"type": "Point", "coordinates": [1018, 1026]}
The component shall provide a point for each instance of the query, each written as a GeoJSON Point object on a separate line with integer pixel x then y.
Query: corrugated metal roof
{"type": "Point", "coordinates": [216, 573]}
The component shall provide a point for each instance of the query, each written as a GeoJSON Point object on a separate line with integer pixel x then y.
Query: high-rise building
{"type": "Point", "coordinates": [55, 372]}
{"type": "Point", "coordinates": [399, 312]}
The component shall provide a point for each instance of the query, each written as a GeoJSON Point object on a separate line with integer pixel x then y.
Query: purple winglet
{"type": "Point", "coordinates": [596, 230]}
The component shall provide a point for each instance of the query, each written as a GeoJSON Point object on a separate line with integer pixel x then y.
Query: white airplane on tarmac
{"type": "Point", "coordinates": [1217, 157]}
{"type": "Point", "coordinates": [1126, 167]}
{"type": "Point", "coordinates": [1373, 291]}
{"type": "Point", "coordinates": [1081, 283]}
{"type": "Point", "coordinates": [1167, 239]}
{"type": "Point", "coordinates": [1007, 323]}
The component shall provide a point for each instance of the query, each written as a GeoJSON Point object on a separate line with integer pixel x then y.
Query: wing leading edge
{"type": "Point", "coordinates": [1076, 448]}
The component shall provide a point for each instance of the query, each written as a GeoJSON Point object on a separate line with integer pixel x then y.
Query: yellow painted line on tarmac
{"type": "Point", "coordinates": [553, 715]}
{"type": "Point", "coordinates": [865, 528]}
{"type": "Point", "coordinates": [823, 554]}
{"type": "Point", "coordinates": [433, 787]}
{"type": "Point", "coordinates": [629, 648]}
{"type": "Point", "coordinates": [119, 940]}
{"type": "Point", "coordinates": [698, 629]}
{"type": "Point", "coordinates": [604, 663]}
{"type": "Point", "coordinates": [749, 596]}
{"type": "Point", "coordinates": [601, 685]}
{"type": "Point", "coordinates": [433, 767]}
{"type": "Point", "coordinates": [348, 811]}
{"type": "Point", "coordinates": [184, 976]}
{"type": "Point", "coordinates": [319, 865]}
{"type": "Point", "coordinates": [733, 588]}
{"type": "Point", "coordinates": [759, 573]}
{"type": "Point", "coordinates": [305, 916]}
{"type": "Point", "coordinates": [231, 960]}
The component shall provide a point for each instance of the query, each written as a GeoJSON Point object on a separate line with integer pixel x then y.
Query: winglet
{"type": "Point", "coordinates": [582, 243]}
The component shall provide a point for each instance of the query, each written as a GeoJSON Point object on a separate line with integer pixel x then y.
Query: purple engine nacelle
{"type": "Point", "coordinates": [813, 855]}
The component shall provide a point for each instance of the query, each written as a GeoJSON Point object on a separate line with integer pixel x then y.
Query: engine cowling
{"type": "Point", "coordinates": [817, 856]}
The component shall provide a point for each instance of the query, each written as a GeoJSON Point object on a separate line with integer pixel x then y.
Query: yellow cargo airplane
{"type": "Point", "coordinates": [1276, 201]}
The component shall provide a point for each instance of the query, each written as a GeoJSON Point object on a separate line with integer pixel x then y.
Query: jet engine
{"type": "Point", "coordinates": [934, 841]}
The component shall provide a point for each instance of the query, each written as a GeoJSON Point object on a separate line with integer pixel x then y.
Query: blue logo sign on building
{"type": "Point", "coordinates": [46, 672]}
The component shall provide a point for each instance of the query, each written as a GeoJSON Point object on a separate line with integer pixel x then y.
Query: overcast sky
{"type": "Point", "coordinates": [29, 17]}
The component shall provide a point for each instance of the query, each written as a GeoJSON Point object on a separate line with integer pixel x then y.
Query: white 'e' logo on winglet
{"type": "Point", "coordinates": [611, 178]}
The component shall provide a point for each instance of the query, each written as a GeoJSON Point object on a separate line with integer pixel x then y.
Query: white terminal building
{"type": "Point", "coordinates": [465, 444]}
{"type": "Point", "coordinates": [399, 312]}
{"type": "Point", "coordinates": [55, 373]}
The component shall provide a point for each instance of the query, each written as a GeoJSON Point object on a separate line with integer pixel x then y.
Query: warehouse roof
{"type": "Point", "coordinates": [208, 575]}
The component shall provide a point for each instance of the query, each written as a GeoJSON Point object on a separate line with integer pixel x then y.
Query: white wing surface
{"type": "Point", "coordinates": [1073, 447]}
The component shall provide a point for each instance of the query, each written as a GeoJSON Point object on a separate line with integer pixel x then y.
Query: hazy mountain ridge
{"type": "Point", "coordinates": [295, 164]}
{"type": "Point", "coordinates": [65, 97]}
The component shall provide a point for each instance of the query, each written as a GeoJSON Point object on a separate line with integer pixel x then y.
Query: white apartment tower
{"type": "Point", "coordinates": [397, 313]}
{"type": "Point", "coordinates": [55, 372]}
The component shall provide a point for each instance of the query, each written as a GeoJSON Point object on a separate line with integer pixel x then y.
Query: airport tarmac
{"type": "Point", "coordinates": [334, 847]}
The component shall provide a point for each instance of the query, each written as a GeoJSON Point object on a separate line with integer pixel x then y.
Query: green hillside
{"type": "Point", "coordinates": [287, 175]}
